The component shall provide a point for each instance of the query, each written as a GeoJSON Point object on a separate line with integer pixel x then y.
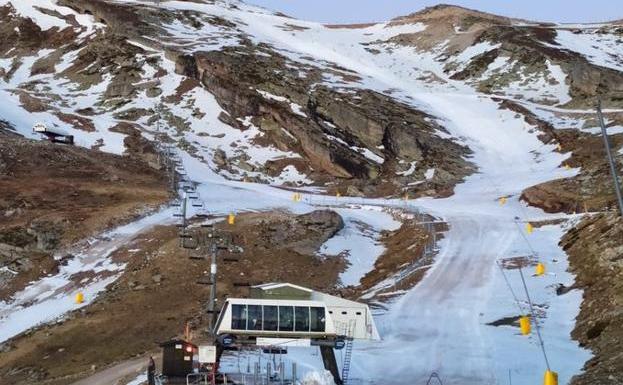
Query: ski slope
{"type": "Point", "coordinates": [441, 324]}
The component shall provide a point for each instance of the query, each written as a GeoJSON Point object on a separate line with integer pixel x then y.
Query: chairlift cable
{"type": "Point", "coordinates": [510, 288]}
{"type": "Point", "coordinates": [536, 323]}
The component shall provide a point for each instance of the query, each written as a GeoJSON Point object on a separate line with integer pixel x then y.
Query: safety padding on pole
{"type": "Point", "coordinates": [79, 298]}
{"type": "Point", "coordinates": [529, 228]}
{"type": "Point", "coordinates": [551, 378]}
{"type": "Point", "coordinates": [525, 326]}
{"type": "Point", "coordinates": [540, 269]}
{"type": "Point", "coordinates": [231, 219]}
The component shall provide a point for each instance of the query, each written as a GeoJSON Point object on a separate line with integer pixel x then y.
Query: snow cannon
{"type": "Point", "coordinates": [540, 269]}
{"type": "Point", "coordinates": [550, 378]}
{"type": "Point", "coordinates": [79, 298]}
{"type": "Point", "coordinates": [525, 326]}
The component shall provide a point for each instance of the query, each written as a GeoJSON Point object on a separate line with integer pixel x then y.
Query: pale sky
{"type": "Point", "coordinates": [359, 11]}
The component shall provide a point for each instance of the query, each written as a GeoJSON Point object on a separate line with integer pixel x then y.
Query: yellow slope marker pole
{"type": "Point", "coordinates": [231, 219]}
{"type": "Point", "coordinates": [529, 228]}
{"type": "Point", "coordinates": [540, 269]}
{"type": "Point", "coordinates": [525, 326]}
{"type": "Point", "coordinates": [79, 298]}
{"type": "Point", "coordinates": [550, 378]}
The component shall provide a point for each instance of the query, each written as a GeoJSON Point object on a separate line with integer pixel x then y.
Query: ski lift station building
{"type": "Point", "coordinates": [284, 310]}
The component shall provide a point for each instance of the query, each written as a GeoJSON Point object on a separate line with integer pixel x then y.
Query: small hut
{"type": "Point", "coordinates": [177, 358]}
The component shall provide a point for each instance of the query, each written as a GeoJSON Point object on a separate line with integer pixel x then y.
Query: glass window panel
{"type": "Point", "coordinates": [286, 318]}
{"type": "Point", "coordinates": [301, 316]}
{"type": "Point", "coordinates": [317, 319]}
{"type": "Point", "coordinates": [239, 317]}
{"type": "Point", "coordinates": [270, 318]}
{"type": "Point", "coordinates": [255, 317]}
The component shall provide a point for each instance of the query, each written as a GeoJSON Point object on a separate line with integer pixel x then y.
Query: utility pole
{"type": "Point", "coordinates": [184, 203]}
{"type": "Point", "coordinates": [158, 145]}
{"type": "Point", "coordinates": [215, 242]}
{"type": "Point", "coordinates": [613, 168]}
{"type": "Point", "coordinates": [212, 303]}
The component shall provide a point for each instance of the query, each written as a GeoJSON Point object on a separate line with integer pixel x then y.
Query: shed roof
{"type": "Point", "coordinates": [176, 341]}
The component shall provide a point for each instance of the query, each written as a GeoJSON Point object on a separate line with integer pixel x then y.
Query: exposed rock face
{"type": "Point", "coordinates": [595, 249]}
{"type": "Point", "coordinates": [329, 124]}
{"type": "Point", "coordinates": [304, 233]}
{"type": "Point", "coordinates": [591, 190]}
{"type": "Point", "coordinates": [528, 48]}
{"type": "Point", "coordinates": [25, 36]}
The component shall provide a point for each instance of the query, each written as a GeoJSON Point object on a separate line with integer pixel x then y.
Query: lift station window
{"type": "Point", "coordinates": [239, 317]}
{"type": "Point", "coordinates": [255, 317]}
{"type": "Point", "coordinates": [278, 318]}
{"type": "Point", "coordinates": [271, 318]}
{"type": "Point", "coordinates": [301, 316]}
{"type": "Point", "coordinates": [317, 319]}
{"type": "Point", "coordinates": [286, 318]}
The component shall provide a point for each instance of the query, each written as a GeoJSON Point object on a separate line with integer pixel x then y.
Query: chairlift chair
{"type": "Point", "coordinates": [189, 243]}
{"type": "Point", "coordinates": [204, 281]}
{"type": "Point", "coordinates": [197, 257]}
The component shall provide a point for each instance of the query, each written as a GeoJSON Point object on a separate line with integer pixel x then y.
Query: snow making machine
{"type": "Point", "coordinates": [281, 315]}
{"type": "Point", "coordinates": [54, 134]}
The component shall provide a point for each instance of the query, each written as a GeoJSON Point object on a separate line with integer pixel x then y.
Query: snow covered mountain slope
{"type": "Point", "coordinates": [446, 103]}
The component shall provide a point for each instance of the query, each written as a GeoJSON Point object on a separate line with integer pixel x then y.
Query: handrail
{"type": "Point", "coordinates": [198, 380]}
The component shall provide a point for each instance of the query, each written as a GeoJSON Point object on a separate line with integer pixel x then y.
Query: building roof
{"type": "Point", "coordinates": [275, 285]}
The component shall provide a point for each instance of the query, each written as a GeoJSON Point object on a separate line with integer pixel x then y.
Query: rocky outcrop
{"type": "Point", "coordinates": [591, 190]}
{"type": "Point", "coordinates": [25, 37]}
{"type": "Point", "coordinates": [356, 137]}
{"type": "Point", "coordinates": [595, 249]}
{"type": "Point", "coordinates": [528, 47]}
{"type": "Point", "coordinates": [304, 233]}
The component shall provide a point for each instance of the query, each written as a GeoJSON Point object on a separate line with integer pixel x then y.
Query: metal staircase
{"type": "Point", "coordinates": [348, 351]}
